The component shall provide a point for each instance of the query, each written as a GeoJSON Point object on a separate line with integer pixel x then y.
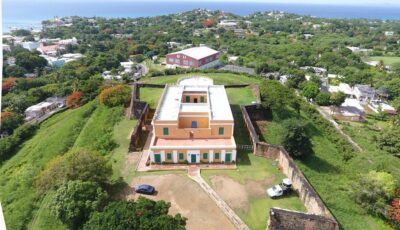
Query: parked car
{"type": "Point", "coordinates": [145, 189]}
{"type": "Point", "coordinates": [281, 189]}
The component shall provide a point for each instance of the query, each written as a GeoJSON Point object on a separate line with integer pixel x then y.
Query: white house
{"type": "Point", "coordinates": [6, 47]}
{"type": "Point", "coordinates": [364, 93]}
{"type": "Point", "coordinates": [30, 45]}
{"type": "Point", "coordinates": [72, 41]}
{"type": "Point", "coordinates": [38, 110]}
{"type": "Point", "coordinates": [389, 33]}
{"type": "Point", "coordinates": [342, 87]}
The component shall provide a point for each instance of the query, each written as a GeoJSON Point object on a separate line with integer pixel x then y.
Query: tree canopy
{"type": "Point", "coordinates": [142, 214]}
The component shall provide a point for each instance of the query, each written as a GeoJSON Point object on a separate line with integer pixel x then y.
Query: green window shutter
{"type": "Point", "coordinates": [187, 99]}
{"type": "Point", "coordinates": [169, 156]}
{"type": "Point", "coordinates": [181, 156]}
{"type": "Point", "coordinates": [205, 155]}
{"type": "Point", "coordinates": [217, 156]}
{"type": "Point", "coordinates": [165, 131]}
{"type": "Point", "coordinates": [221, 131]}
{"type": "Point", "coordinates": [202, 99]}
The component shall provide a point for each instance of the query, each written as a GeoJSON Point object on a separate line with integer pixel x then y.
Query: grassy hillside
{"type": "Point", "coordinates": [54, 137]}
{"type": "Point", "coordinates": [106, 125]}
{"type": "Point", "coordinates": [219, 78]}
{"type": "Point", "coordinates": [387, 60]}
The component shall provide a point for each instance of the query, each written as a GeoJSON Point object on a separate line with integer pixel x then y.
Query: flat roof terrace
{"type": "Point", "coordinates": [194, 143]}
{"type": "Point", "coordinates": [217, 104]}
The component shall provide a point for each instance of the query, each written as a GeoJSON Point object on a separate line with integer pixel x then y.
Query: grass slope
{"type": "Point", "coordinates": [331, 176]}
{"type": "Point", "coordinates": [387, 60]}
{"type": "Point", "coordinates": [54, 137]}
{"type": "Point", "coordinates": [219, 78]}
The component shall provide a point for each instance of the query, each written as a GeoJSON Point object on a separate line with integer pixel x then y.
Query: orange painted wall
{"type": "Point", "coordinates": [177, 133]}
{"type": "Point", "coordinates": [186, 122]}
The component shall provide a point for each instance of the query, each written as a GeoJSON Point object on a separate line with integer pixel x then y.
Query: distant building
{"type": "Point", "coordinates": [358, 49]}
{"type": "Point", "coordinates": [47, 106]}
{"type": "Point", "coordinates": [10, 61]}
{"type": "Point", "coordinates": [364, 93]}
{"type": "Point", "coordinates": [380, 106]}
{"type": "Point", "coordinates": [307, 36]}
{"type": "Point", "coordinates": [48, 50]}
{"type": "Point", "coordinates": [6, 48]}
{"type": "Point", "coordinates": [72, 41]}
{"type": "Point", "coordinates": [196, 57]}
{"type": "Point", "coordinates": [228, 24]}
{"type": "Point", "coordinates": [193, 124]}
{"type": "Point", "coordinates": [342, 87]}
{"type": "Point", "coordinates": [54, 61]}
{"type": "Point", "coordinates": [389, 33]}
{"type": "Point", "coordinates": [30, 45]}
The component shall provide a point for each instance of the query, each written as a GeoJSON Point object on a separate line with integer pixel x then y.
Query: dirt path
{"type": "Point", "coordinates": [194, 173]}
{"type": "Point", "coordinates": [339, 129]}
{"type": "Point", "coordinates": [187, 198]}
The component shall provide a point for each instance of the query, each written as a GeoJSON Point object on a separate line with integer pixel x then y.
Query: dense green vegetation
{"type": "Point", "coordinates": [269, 45]}
{"type": "Point", "coordinates": [53, 138]}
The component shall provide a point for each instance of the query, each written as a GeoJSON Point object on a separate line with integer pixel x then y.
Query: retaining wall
{"type": "Point", "coordinates": [307, 194]}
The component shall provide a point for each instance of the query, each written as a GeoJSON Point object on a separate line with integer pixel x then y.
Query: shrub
{"type": "Point", "coordinates": [294, 138]}
{"type": "Point", "coordinates": [388, 141]}
{"type": "Point", "coordinates": [309, 89]}
{"type": "Point", "coordinates": [373, 192]}
{"type": "Point", "coordinates": [394, 211]}
{"type": "Point", "coordinates": [141, 214]}
{"type": "Point", "coordinates": [9, 145]}
{"type": "Point", "coordinates": [73, 100]}
{"type": "Point", "coordinates": [10, 121]}
{"type": "Point", "coordinates": [115, 96]}
{"type": "Point", "coordinates": [7, 84]}
{"type": "Point", "coordinates": [77, 164]}
{"type": "Point", "coordinates": [323, 99]}
{"type": "Point", "coordinates": [76, 200]}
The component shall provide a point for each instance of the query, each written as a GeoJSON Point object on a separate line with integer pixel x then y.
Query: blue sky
{"type": "Point", "coordinates": [382, 3]}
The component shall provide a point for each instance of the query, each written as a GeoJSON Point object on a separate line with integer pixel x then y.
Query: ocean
{"type": "Point", "coordinates": [28, 14]}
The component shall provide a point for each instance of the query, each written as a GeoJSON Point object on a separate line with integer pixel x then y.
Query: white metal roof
{"type": "Point", "coordinates": [217, 104]}
{"type": "Point", "coordinates": [39, 106]}
{"type": "Point", "coordinates": [197, 52]}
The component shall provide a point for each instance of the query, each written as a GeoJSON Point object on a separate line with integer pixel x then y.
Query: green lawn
{"type": "Point", "coordinates": [219, 78]}
{"type": "Point", "coordinates": [151, 96]}
{"type": "Point", "coordinates": [54, 137]}
{"type": "Point", "coordinates": [387, 60]}
{"type": "Point", "coordinates": [122, 136]}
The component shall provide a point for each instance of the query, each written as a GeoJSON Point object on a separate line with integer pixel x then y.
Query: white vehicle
{"type": "Point", "coordinates": [280, 189]}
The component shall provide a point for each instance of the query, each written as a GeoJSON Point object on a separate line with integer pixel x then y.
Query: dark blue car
{"type": "Point", "coordinates": [145, 189]}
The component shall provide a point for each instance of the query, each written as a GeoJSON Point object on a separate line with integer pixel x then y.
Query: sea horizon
{"type": "Point", "coordinates": [30, 14]}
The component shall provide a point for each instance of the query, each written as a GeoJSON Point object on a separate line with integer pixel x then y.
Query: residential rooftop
{"type": "Point", "coordinates": [198, 52]}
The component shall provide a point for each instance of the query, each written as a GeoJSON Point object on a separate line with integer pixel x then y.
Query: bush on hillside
{"type": "Point", "coordinates": [10, 144]}
{"type": "Point", "coordinates": [374, 190]}
{"type": "Point", "coordinates": [388, 141]}
{"type": "Point", "coordinates": [78, 164]}
{"type": "Point", "coordinates": [323, 99]}
{"type": "Point", "coordinates": [10, 121]}
{"type": "Point", "coordinates": [141, 214]}
{"type": "Point", "coordinates": [295, 139]}
{"type": "Point", "coordinates": [115, 96]}
{"type": "Point", "coordinates": [74, 201]}
{"type": "Point", "coordinates": [74, 100]}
